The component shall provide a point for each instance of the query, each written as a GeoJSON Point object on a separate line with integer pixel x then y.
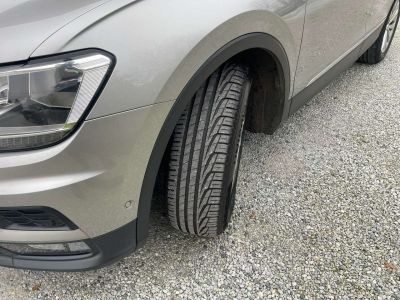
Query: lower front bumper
{"type": "Point", "coordinates": [106, 249]}
{"type": "Point", "coordinates": [94, 179]}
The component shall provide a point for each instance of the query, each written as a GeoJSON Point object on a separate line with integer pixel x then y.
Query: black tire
{"type": "Point", "coordinates": [205, 154]}
{"type": "Point", "coordinates": [375, 54]}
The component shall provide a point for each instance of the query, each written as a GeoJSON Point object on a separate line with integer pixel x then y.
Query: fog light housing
{"type": "Point", "coordinates": [55, 249]}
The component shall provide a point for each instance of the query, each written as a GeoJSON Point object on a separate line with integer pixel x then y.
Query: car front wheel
{"type": "Point", "coordinates": [205, 154]}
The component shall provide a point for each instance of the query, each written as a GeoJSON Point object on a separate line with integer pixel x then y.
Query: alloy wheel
{"type": "Point", "coordinates": [390, 27]}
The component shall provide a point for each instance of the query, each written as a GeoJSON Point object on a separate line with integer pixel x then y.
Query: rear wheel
{"type": "Point", "coordinates": [380, 48]}
{"type": "Point", "coordinates": [205, 154]}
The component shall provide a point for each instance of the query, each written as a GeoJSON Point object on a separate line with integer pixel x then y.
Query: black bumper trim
{"type": "Point", "coordinates": [107, 249]}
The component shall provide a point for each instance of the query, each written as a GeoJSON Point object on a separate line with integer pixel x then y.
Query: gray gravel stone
{"type": "Point", "coordinates": [317, 215]}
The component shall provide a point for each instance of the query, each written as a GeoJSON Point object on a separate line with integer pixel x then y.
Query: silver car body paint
{"type": "Point", "coordinates": [89, 177]}
{"type": "Point", "coordinates": [154, 65]}
{"type": "Point", "coordinates": [159, 45]}
{"type": "Point", "coordinates": [377, 12]}
{"type": "Point", "coordinates": [324, 42]}
{"type": "Point", "coordinates": [24, 25]}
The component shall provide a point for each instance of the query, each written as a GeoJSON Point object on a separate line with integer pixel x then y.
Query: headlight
{"type": "Point", "coordinates": [40, 103]}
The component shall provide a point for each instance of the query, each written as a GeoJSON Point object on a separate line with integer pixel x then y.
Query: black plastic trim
{"type": "Point", "coordinates": [69, 224]}
{"type": "Point", "coordinates": [106, 249]}
{"type": "Point", "coordinates": [246, 42]}
{"type": "Point", "coordinates": [67, 55]}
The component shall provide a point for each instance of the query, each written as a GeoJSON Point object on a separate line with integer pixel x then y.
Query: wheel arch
{"type": "Point", "coordinates": [249, 48]}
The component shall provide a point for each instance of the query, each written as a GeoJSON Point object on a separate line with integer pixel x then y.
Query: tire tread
{"type": "Point", "coordinates": [199, 152]}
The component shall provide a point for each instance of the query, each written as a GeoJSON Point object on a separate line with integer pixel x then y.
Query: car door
{"type": "Point", "coordinates": [331, 29]}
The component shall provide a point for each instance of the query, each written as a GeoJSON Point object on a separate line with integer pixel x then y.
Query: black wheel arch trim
{"type": "Point", "coordinates": [246, 42]}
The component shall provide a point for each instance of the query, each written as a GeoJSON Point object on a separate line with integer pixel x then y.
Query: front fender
{"type": "Point", "coordinates": [160, 45]}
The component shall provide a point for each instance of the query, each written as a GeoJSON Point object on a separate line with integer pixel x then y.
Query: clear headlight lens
{"type": "Point", "coordinates": [41, 103]}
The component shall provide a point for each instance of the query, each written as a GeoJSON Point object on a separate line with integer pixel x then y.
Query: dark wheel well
{"type": "Point", "coordinates": [267, 96]}
{"type": "Point", "coordinates": [268, 105]}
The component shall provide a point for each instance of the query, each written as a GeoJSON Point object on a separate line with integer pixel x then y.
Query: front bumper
{"type": "Point", "coordinates": [94, 179]}
{"type": "Point", "coordinates": [105, 250]}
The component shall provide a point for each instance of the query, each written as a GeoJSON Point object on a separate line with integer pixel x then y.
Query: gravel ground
{"type": "Point", "coordinates": [317, 214]}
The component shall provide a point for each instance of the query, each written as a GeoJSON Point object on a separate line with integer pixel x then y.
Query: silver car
{"type": "Point", "coordinates": [103, 102]}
